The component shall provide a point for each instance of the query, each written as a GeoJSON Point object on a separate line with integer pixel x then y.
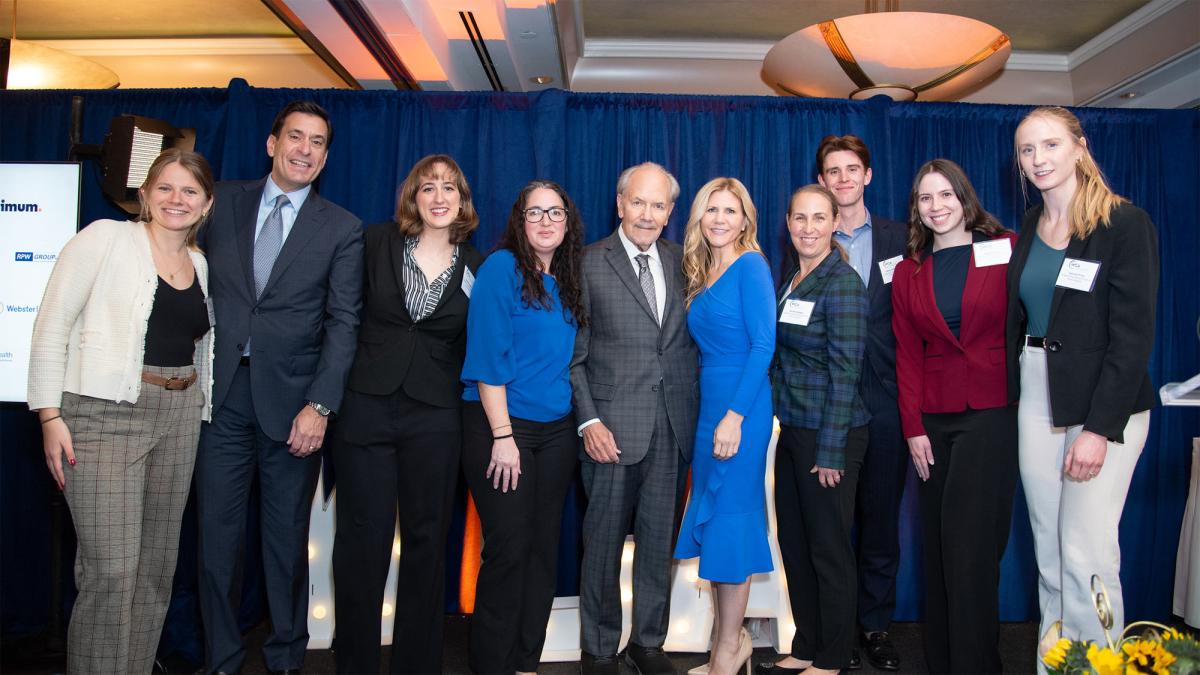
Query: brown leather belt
{"type": "Point", "coordinates": [171, 383]}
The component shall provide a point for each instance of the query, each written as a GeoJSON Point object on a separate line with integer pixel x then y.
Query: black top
{"type": "Point", "coordinates": [949, 280]}
{"type": "Point", "coordinates": [178, 319]}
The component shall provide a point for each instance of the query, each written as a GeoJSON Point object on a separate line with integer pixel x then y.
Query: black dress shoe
{"type": "Point", "coordinates": [285, 671]}
{"type": "Point", "coordinates": [599, 665]}
{"type": "Point", "coordinates": [880, 651]}
{"type": "Point", "coordinates": [772, 668]}
{"type": "Point", "coordinates": [648, 660]}
{"type": "Point", "coordinates": [855, 660]}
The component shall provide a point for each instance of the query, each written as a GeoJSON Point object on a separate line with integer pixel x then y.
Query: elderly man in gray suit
{"type": "Point", "coordinates": [634, 376]}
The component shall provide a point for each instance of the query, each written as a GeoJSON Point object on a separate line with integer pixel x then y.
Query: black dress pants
{"type": "Point", "coordinates": [392, 453]}
{"type": "Point", "coordinates": [966, 510]}
{"type": "Point", "coordinates": [814, 541]}
{"type": "Point", "coordinates": [880, 489]}
{"type": "Point", "coordinates": [521, 528]}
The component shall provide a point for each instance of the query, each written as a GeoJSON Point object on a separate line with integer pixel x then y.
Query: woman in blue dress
{"type": "Point", "coordinates": [731, 317]}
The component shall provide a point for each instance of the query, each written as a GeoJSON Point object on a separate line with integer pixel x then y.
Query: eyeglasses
{"type": "Point", "coordinates": [534, 214]}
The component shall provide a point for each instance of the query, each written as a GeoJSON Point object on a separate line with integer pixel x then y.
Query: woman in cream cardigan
{"type": "Point", "coordinates": [119, 376]}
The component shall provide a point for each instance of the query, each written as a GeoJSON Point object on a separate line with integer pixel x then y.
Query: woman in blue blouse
{"type": "Point", "coordinates": [519, 440]}
{"type": "Point", "coordinates": [731, 319]}
{"type": "Point", "coordinates": [822, 330]}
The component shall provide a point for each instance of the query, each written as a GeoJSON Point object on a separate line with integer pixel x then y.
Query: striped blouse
{"type": "Point", "coordinates": [421, 297]}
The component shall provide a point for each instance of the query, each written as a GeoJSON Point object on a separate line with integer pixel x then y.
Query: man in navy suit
{"type": "Point", "coordinates": [285, 281]}
{"type": "Point", "coordinates": [874, 246]}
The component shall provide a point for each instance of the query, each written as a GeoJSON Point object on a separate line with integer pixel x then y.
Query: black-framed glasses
{"type": "Point", "coordinates": [534, 214]}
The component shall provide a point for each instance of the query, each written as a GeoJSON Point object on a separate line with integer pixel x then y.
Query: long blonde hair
{"type": "Point", "coordinates": [697, 256]}
{"type": "Point", "coordinates": [1094, 200]}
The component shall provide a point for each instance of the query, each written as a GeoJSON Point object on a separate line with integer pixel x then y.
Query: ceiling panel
{"type": "Point", "coordinates": [96, 19]}
{"type": "Point", "coordinates": [1033, 25]}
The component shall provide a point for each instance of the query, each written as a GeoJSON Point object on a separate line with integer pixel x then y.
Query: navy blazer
{"type": "Point", "coordinates": [888, 240]}
{"type": "Point", "coordinates": [425, 358]}
{"type": "Point", "coordinates": [938, 372]}
{"type": "Point", "coordinates": [302, 330]}
{"type": "Point", "coordinates": [1098, 342]}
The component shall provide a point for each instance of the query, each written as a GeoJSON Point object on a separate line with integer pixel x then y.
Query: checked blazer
{"type": "Point", "coordinates": [622, 357]}
{"type": "Point", "coordinates": [817, 367]}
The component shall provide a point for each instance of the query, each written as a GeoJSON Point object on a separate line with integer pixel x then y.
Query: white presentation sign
{"type": "Point", "coordinates": [39, 213]}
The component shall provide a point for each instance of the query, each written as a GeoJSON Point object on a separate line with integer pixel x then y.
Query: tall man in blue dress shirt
{"type": "Point", "coordinates": [285, 279]}
{"type": "Point", "coordinates": [874, 246]}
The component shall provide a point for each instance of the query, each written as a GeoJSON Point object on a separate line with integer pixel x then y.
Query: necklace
{"type": "Point", "coordinates": [158, 251]}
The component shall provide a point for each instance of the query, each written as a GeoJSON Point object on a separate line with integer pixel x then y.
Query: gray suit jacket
{"type": "Point", "coordinates": [622, 357]}
{"type": "Point", "coordinates": [304, 327]}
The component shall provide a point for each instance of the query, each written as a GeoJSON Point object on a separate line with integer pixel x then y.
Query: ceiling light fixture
{"type": "Point", "coordinates": [541, 79]}
{"type": "Point", "coordinates": [28, 65]}
{"type": "Point", "coordinates": [902, 55]}
{"type": "Point", "coordinates": [1128, 95]}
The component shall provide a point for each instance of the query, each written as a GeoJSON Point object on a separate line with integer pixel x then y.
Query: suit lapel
{"type": "Point", "coordinates": [1074, 249]}
{"type": "Point", "coordinates": [928, 299]}
{"type": "Point", "coordinates": [396, 254]}
{"type": "Point", "coordinates": [308, 223]}
{"type": "Point", "coordinates": [624, 270]}
{"type": "Point", "coordinates": [671, 265]}
{"type": "Point", "coordinates": [245, 216]}
{"type": "Point", "coordinates": [453, 284]}
{"type": "Point", "coordinates": [977, 279]}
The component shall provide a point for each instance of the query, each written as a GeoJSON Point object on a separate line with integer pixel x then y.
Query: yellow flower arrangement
{"type": "Point", "coordinates": [1144, 648]}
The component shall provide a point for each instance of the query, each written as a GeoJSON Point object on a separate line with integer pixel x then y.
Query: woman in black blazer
{"type": "Point", "coordinates": [398, 439]}
{"type": "Point", "coordinates": [1081, 300]}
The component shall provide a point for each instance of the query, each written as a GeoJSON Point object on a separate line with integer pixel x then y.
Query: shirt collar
{"type": "Point", "coordinates": [633, 251]}
{"type": "Point", "coordinates": [297, 198]}
{"type": "Point", "coordinates": [858, 231]}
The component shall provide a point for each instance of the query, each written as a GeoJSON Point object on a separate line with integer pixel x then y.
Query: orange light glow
{"type": "Point", "coordinates": [469, 571]}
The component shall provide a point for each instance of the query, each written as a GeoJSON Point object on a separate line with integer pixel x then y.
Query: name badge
{"type": "Point", "coordinates": [212, 315]}
{"type": "Point", "coordinates": [468, 282]}
{"type": "Point", "coordinates": [994, 252]}
{"type": "Point", "coordinates": [1079, 275]}
{"type": "Point", "coordinates": [797, 312]}
{"type": "Point", "coordinates": [888, 267]}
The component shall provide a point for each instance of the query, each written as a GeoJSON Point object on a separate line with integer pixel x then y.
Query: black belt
{"type": "Point", "coordinates": [1049, 345]}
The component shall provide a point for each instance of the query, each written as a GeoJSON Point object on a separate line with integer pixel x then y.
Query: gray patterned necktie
{"type": "Point", "coordinates": [266, 247]}
{"type": "Point", "coordinates": [646, 279]}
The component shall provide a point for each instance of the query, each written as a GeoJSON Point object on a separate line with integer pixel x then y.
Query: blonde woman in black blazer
{"type": "Point", "coordinates": [1082, 285]}
{"type": "Point", "coordinates": [398, 439]}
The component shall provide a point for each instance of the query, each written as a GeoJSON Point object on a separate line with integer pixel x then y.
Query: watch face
{"type": "Point", "coordinates": [321, 410]}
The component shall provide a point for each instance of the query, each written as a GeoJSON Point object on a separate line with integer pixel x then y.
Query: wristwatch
{"type": "Point", "coordinates": [321, 410]}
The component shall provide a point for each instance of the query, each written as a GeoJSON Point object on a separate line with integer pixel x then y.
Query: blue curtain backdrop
{"type": "Point", "coordinates": [583, 141]}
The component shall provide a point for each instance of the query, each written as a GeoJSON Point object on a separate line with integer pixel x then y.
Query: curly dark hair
{"type": "Point", "coordinates": [566, 265]}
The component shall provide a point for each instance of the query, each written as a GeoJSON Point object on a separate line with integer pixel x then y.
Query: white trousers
{"type": "Point", "coordinates": [1074, 523]}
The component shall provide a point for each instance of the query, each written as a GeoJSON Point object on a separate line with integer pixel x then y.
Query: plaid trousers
{"type": "Point", "coordinates": [127, 492]}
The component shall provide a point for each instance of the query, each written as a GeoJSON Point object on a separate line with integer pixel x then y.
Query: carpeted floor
{"type": "Point", "coordinates": [1017, 643]}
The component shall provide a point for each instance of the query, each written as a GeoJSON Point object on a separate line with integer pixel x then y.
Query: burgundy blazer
{"type": "Point", "coordinates": [937, 372]}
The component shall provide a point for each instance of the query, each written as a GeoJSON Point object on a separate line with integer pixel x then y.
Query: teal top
{"type": "Point", "coordinates": [1037, 285]}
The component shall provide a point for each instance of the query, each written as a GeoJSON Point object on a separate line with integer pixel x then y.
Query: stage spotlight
{"type": "Point", "coordinates": [129, 149]}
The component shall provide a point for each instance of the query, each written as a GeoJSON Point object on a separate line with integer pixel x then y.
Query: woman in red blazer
{"type": "Point", "coordinates": [949, 305]}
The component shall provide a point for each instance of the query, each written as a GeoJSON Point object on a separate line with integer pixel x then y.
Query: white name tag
{"type": "Point", "coordinates": [468, 282]}
{"type": "Point", "coordinates": [888, 267]}
{"type": "Point", "coordinates": [797, 312]}
{"type": "Point", "coordinates": [994, 252]}
{"type": "Point", "coordinates": [1077, 274]}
